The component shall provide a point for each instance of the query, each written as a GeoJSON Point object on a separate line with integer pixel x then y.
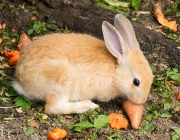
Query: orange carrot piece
{"type": "Point", "coordinates": [7, 54]}
{"type": "Point", "coordinates": [1, 40]}
{"type": "Point", "coordinates": [13, 57]}
{"type": "Point", "coordinates": [178, 96]}
{"type": "Point", "coordinates": [134, 112]}
{"type": "Point", "coordinates": [57, 134]}
{"type": "Point", "coordinates": [117, 121]}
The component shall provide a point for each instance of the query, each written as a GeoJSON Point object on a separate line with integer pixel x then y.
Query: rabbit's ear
{"type": "Point", "coordinates": [114, 41]}
{"type": "Point", "coordinates": [125, 28]}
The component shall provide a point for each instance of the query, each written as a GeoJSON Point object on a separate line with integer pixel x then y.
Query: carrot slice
{"type": "Point", "coordinates": [178, 96]}
{"type": "Point", "coordinates": [1, 40]}
{"type": "Point", "coordinates": [117, 121]}
{"type": "Point", "coordinates": [13, 57]}
{"type": "Point", "coordinates": [57, 134]}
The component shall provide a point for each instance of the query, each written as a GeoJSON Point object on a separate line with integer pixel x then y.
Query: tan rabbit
{"type": "Point", "coordinates": [67, 71]}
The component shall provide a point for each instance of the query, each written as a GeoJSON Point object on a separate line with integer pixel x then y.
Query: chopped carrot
{"type": "Point", "coordinates": [134, 112]}
{"type": "Point", "coordinates": [161, 19]}
{"type": "Point", "coordinates": [13, 57]}
{"type": "Point", "coordinates": [178, 96]}
{"type": "Point", "coordinates": [33, 18]}
{"type": "Point", "coordinates": [0, 40]}
{"type": "Point", "coordinates": [57, 134]}
{"type": "Point", "coordinates": [117, 121]}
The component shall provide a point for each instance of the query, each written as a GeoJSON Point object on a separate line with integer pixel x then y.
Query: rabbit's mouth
{"type": "Point", "coordinates": [137, 99]}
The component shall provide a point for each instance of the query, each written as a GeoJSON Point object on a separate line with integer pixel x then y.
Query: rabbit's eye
{"type": "Point", "coordinates": [136, 82]}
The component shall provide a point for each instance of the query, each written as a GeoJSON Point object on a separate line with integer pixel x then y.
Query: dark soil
{"type": "Point", "coordinates": [161, 57]}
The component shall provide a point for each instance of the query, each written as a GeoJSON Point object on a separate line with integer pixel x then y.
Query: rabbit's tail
{"type": "Point", "coordinates": [18, 88]}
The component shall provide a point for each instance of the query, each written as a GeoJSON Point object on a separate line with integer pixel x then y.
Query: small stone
{"type": "Point", "coordinates": [44, 117]}
{"type": "Point", "coordinates": [19, 110]}
{"type": "Point", "coordinates": [13, 40]}
{"type": "Point", "coordinates": [3, 25]}
{"type": "Point", "coordinates": [68, 117]}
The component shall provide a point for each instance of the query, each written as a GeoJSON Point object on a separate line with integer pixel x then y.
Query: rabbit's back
{"type": "Point", "coordinates": [79, 48]}
{"type": "Point", "coordinates": [76, 63]}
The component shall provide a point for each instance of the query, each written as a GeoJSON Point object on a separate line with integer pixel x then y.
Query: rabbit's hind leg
{"type": "Point", "coordinates": [55, 105]}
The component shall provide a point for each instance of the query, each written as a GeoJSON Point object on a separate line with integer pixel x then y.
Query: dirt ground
{"type": "Point", "coordinates": [14, 123]}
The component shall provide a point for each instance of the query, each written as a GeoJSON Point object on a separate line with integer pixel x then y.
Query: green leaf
{"type": "Point", "coordinates": [2, 91]}
{"type": "Point", "coordinates": [8, 119]}
{"type": "Point", "coordinates": [22, 102]}
{"type": "Point", "coordinates": [178, 113]}
{"type": "Point", "coordinates": [160, 78]}
{"type": "Point", "coordinates": [115, 136]}
{"type": "Point", "coordinates": [36, 27]}
{"type": "Point", "coordinates": [92, 114]}
{"type": "Point", "coordinates": [6, 83]}
{"type": "Point", "coordinates": [5, 37]}
{"type": "Point", "coordinates": [155, 114]}
{"type": "Point", "coordinates": [174, 75]}
{"type": "Point", "coordinates": [93, 136]}
{"type": "Point", "coordinates": [79, 127]}
{"type": "Point", "coordinates": [129, 138]}
{"type": "Point", "coordinates": [166, 115]}
{"type": "Point", "coordinates": [101, 121]}
{"type": "Point", "coordinates": [84, 125]}
{"type": "Point", "coordinates": [5, 99]}
{"type": "Point", "coordinates": [173, 37]}
{"type": "Point", "coordinates": [168, 106]}
{"type": "Point", "coordinates": [117, 3]}
{"type": "Point", "coordinates": [177, 130]}
{"type": "Point", "coordinates": [148, 117]}
{"type": "Point", "coordinates": [44, 121]}
{"type": "Point", "coordinates": [61, 121]}
{"type": "Point", "coordinates": [8, 43]}
{"type": "Point", "coordinates": [168, 10]}
{"type": "Point", "coordinates": [28, 131]}
{"type": "Point", "coordinates": [164, 95]}
{"type": "Point", "coordinates": [35, 12]}
{"type": "Point", "coordinates": [30, 31]}
{"type": "Point", "coordinates": [135, 4]}
{"type": "Point", "coordinates": [178, 14]}
{"type": "Point", "coordinates": [2, 5]}
{"type": "Point", "coordinates": [153, 69]}
{"type": "Point", "coordinates": [52, 26]}
{"type": "Point", "coordinates": [148, 127]}
{"type": "Point", "coordinates": [99, 3]}
{"type": "Point", "coordinates": [175, 136]}
{"type": "Point", "coordinates": [169, 100]}
{"type": "Point", "coordinates": [15, 35]}
{"type": "Point", "coordinates": [152, 107]}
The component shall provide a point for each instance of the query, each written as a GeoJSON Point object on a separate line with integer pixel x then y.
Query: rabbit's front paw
{"type": "Point", "coordinates": [85, 105]}
{"type": "Point", "coordinates": [65, 107]}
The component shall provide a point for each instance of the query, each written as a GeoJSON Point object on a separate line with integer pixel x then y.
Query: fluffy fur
{"type": "Point", "coordinates": [67, 71]}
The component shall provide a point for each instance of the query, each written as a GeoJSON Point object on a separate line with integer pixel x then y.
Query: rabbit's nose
{"type": "Point", "coordinates": [137, 99]}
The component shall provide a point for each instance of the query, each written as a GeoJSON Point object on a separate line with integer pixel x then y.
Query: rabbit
{"type": "Point", "coordinates": [67, 71]}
